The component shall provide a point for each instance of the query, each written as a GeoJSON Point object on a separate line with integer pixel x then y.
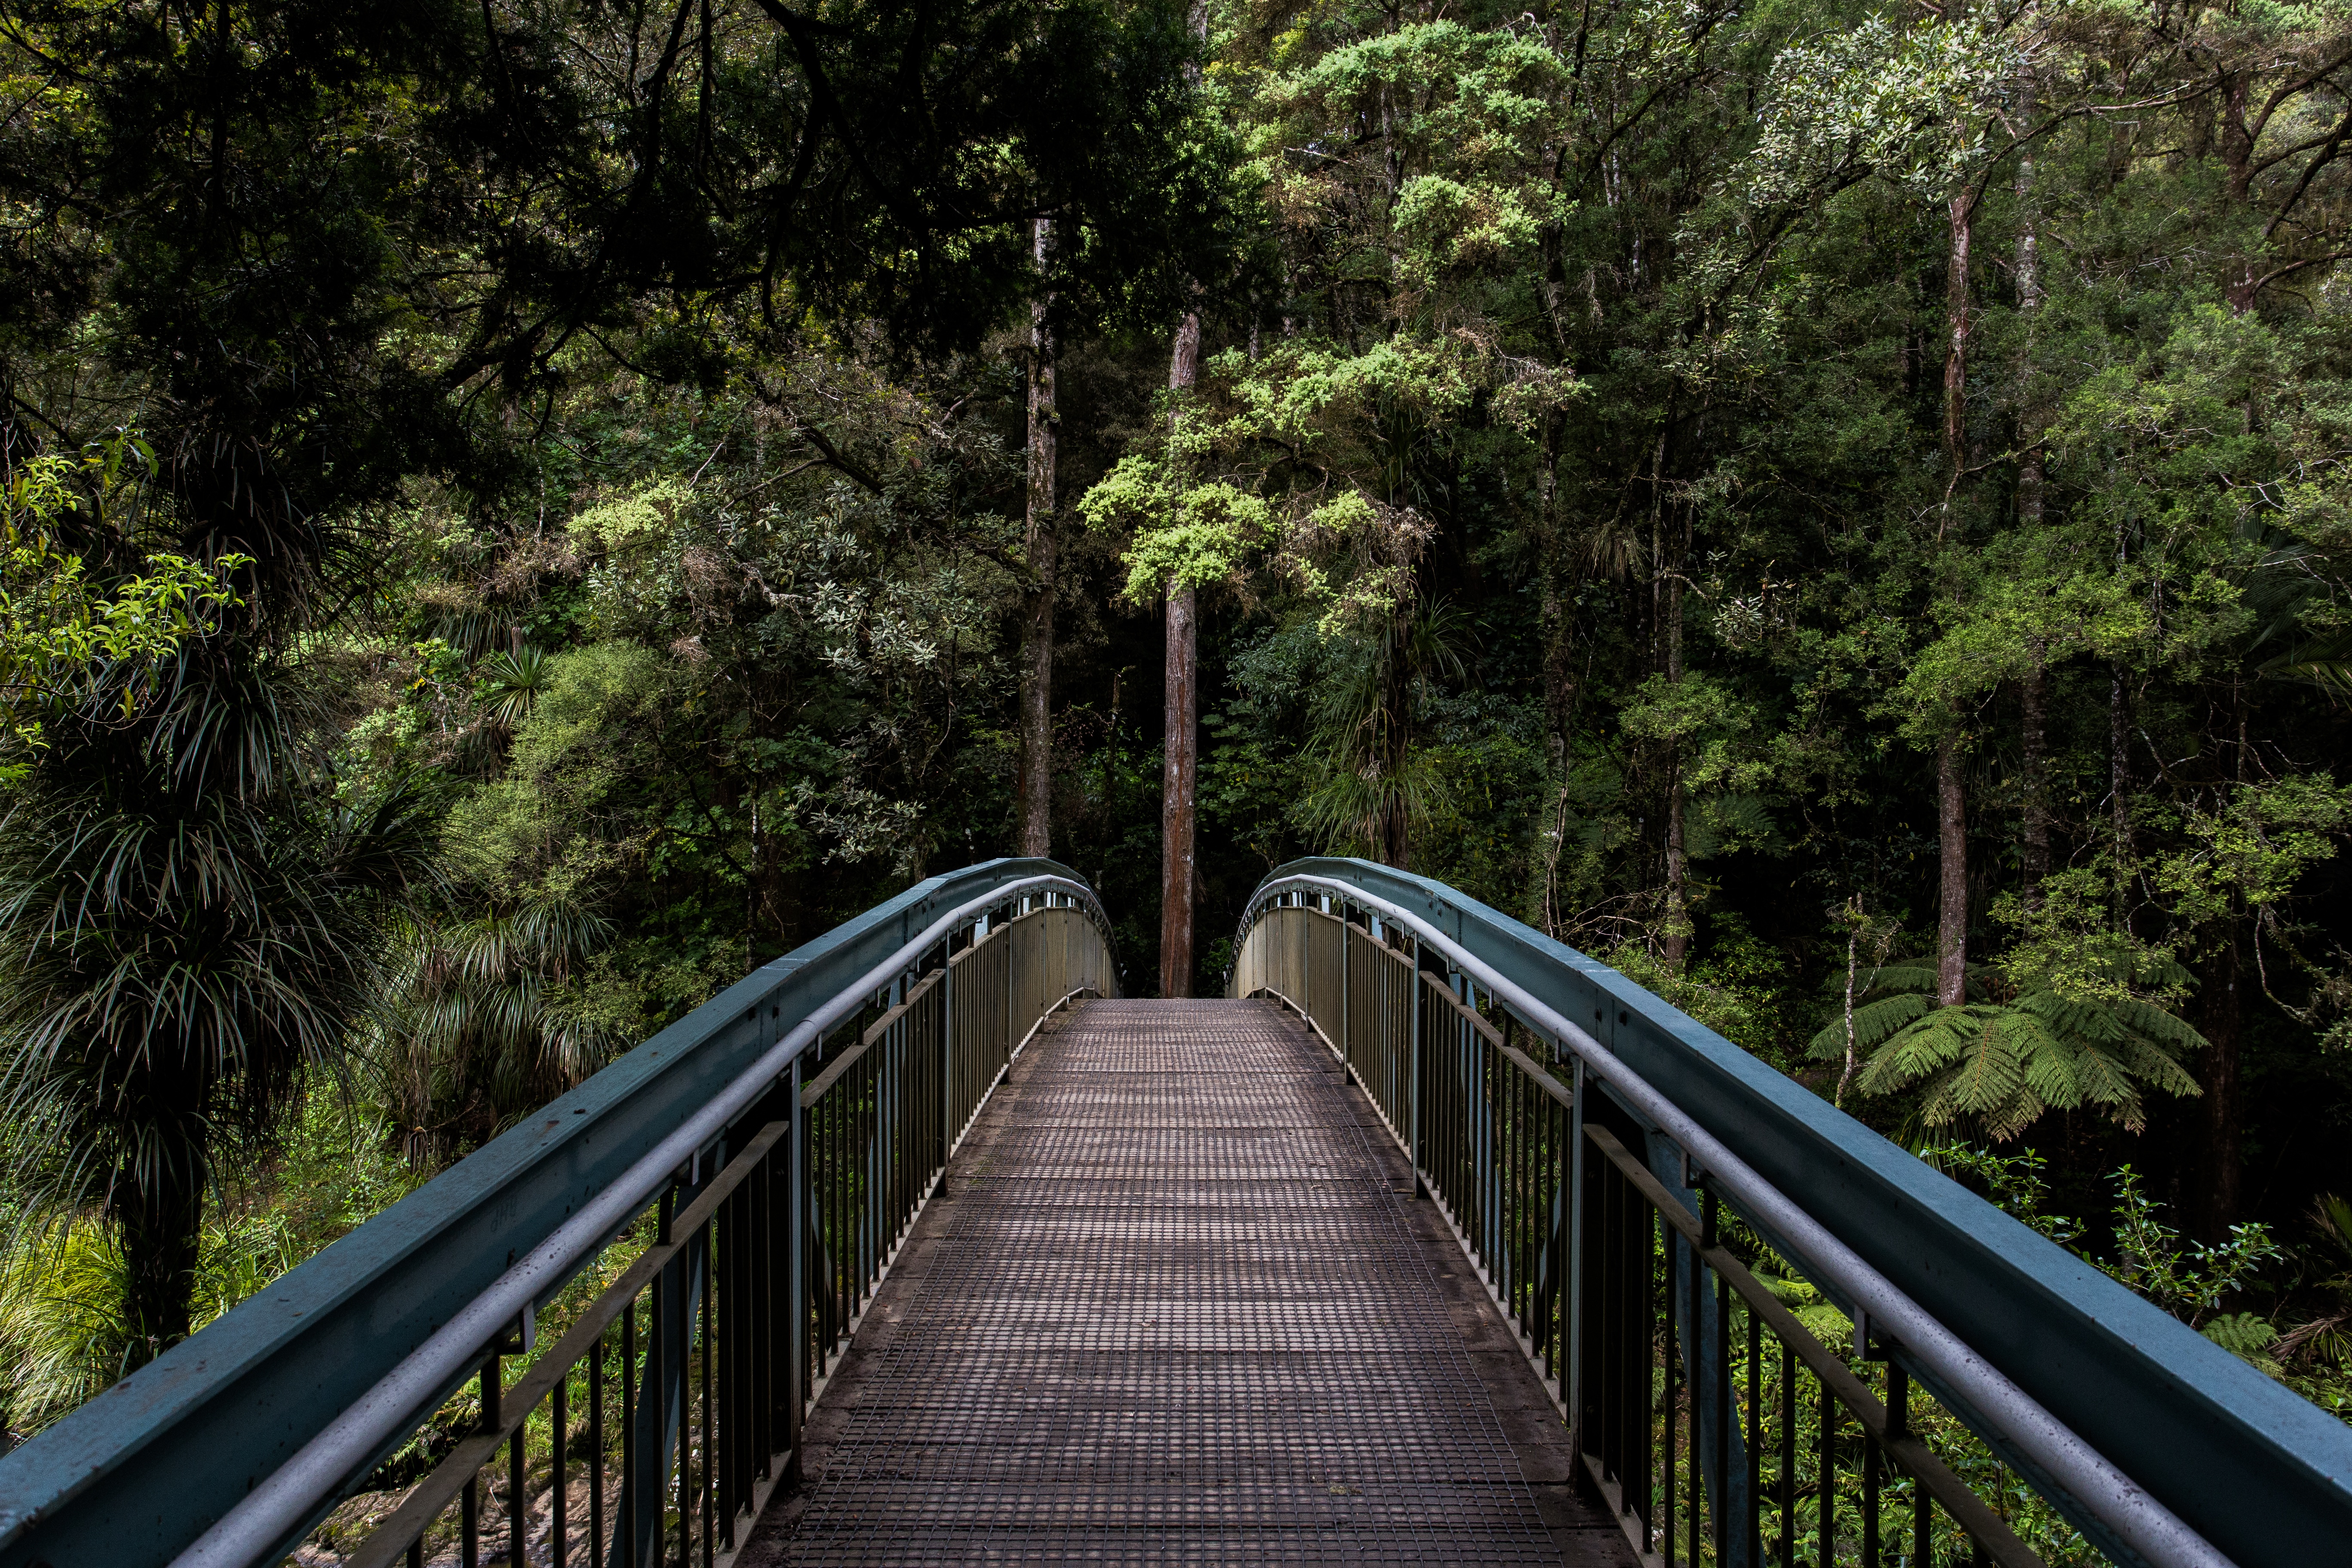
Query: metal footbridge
{"type": "Point", "coordinates": [1433, 1241]}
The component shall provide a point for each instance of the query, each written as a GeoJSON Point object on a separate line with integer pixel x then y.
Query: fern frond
{"type": "Point", "coordinates": [1915, 1050]}
{"type": "Point", "coordinates": [2104, 1079]}
{"type": "Point", "coordinates": [1990, 1074]}
{"type": "Point", "coordinates": [1872, 1025]}
{"type": "Point", "coordinates": [2153, 1024]}
{"type": "Point", "coordinates": [2152, 1064]}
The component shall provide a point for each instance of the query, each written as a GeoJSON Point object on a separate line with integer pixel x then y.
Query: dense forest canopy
{"type": "Point", "coordinates": [519, 512]}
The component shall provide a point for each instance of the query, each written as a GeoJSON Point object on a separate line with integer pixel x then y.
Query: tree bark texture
{"type": "Point", "coordinates": [1959, 323]}
{"type": "Point", "coordinates": [1952, 902]}
{"type": "Point", "coordinates": [2029, 305]}
{"type": "Point", "coordinates": [2119, 765]}
{"type": "Point", "coordinates": [1180, 769]}
{"type": "Point", "coordinates": [161, 1225]}
{"type": "Point", "coordinates": [1039, 541]}
{"type": "Point", "coordinates": [1559, 694]}
{"type": "Point", "coordinates": [1678, 923]}
{"type": "Point", "coordinates": [1180, 774]}
{"type": "Point", "coordinates": [2033, 705]}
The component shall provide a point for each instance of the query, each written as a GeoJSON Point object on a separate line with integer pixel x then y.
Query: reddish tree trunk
{"type": "Point", "coordinates": [1036, 784]}
{"type": "Point", "coordinates": [1179, 779]}
{"type": "Point", "coordinates": [1180, 766]}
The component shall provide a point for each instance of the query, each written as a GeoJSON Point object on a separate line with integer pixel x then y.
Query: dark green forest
{"type": "Point", "coordinates": [519, 512]}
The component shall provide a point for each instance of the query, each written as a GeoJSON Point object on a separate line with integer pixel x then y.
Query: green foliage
{"type": "Point", "coordinates": [2188, 1279]}
{"type": "Point", "coordinates": [57, 627]}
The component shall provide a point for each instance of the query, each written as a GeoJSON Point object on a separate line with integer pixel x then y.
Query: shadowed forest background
{"type": "Point", "coordinates": [518, 513]}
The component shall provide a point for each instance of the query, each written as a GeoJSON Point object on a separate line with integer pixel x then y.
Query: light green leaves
{"type": "Point", "coordinates": [1905, 103]}
{"type": "Point", "coordinates": [58, 630]}
{"type": "Point", "coordinates": [2252, 844]}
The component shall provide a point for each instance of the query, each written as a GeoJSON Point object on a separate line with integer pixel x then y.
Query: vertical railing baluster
{"type": "Point", "coordinates": [710, 1471]}
{"type": "Point", "coordinates": [518, 1493]}
{"type": "Point", "coordinates": [1673, 1363]}
{"type": "Point", "coordinates": [1825, 1461]}
{"type": "Point", "coordinates": [1755, 1509]}
{"type": "Point", "coordinates": [470, 1511]}
{"type": "Point", "coordinates": [796, 1261]}
{"type": "Point", "coordinates": [1869, 1497]}
{"type": "Point", "coordinates": [558, 1454]}
{"type": "Point", "coordinates": [596, 1452]}
{"type": "Point", "coordinates": [1788, 1455]}
{"type": "Point", "coordinates": [1695, 1383]}
{"type": "Point", "coordinates": [624, 1526]}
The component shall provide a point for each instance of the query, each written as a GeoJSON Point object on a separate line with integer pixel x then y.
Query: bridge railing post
{"type": "Point", "coordinates": [1414, 1013]}
{"type": "Point", "coordinates": [797, 1282]}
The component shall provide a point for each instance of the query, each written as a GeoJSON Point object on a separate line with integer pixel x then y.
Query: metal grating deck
{"type": "Point", "coordinates": [1173, 1313]}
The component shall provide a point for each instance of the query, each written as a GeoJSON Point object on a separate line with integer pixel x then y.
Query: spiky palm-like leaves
{"type": "Point", "coordinates": [1999, 1066]}
{"type": "Point", "coordinates": [1374, 784]}
{"type": "Point", "coordinates": [188, 921]}
{"type": "Point", "coordinates": [474, 1025]}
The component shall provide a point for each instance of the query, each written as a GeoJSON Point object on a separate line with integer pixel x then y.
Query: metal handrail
{"type": "Point", "coordinates": [535, 1206]}
{"type": "Point", "coordinates": [1505, 960]}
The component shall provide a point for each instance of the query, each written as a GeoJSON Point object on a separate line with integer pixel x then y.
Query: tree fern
{"type": "Point", "coordinates": [1998, 1065]}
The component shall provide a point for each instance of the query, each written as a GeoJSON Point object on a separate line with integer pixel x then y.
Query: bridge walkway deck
{"type": "Point", "coordinates": [1176, 1303]}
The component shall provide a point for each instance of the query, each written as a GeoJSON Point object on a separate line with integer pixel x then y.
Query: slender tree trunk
{"type": "Point", "coordinates": [1959, 323]}
{"type": "Point", "coordinates": [1181, 750]}
{"type": "Point", "coordinates": [1036, 792]}
{"type": "Point", "coordinates": [2033, 706]}
{"type": "Point", "coordinates": [1559, 682]}
{"type": "Point", "coordinates": [1951, 800]}
{"type": "Point", "coordinates": [161, 1230]}
{"type": "Point", "coordinates": [1179, 772]}
{"type": "Point", "coordinates": [2119, 766]}
{"type": "Point", "coordinates": [1179, 779]}
{"type": "Point", "coordinates": [1678, 923]}
{"type": "Point", "coordinates": [2034, 696]}
{"type": "Point", "coordinates": [1952, 904]}
{"type": "Point", "coordinates": [2029, 306]}
{"type": "Point", "coordinates": [1852, 968]}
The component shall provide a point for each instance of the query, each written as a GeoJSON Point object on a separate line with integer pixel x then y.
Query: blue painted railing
{"type": "Point", "coordinates": [142, 1471]}
{"type": "Point", "coordinates": [2159, 1444]}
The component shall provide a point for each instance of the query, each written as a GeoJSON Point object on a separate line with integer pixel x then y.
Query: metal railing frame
{"type": "Point", "coordinates": [232, 1446]}
{"type": "Point", "coordinates": [2153, 1413]}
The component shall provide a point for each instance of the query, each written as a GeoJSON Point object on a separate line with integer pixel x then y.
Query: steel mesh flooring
{"type": "Point", "coordinates": [1175, 1315]}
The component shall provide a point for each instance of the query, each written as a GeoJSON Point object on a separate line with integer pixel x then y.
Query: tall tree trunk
{"type": "Point", "coordinates": [1559, 682]}
{"type": "Point", "coordinates": [2034, 696]}
{"type": "Point", "coordinates": [1952, 902]}
{"type": "Point", "coordinates": [1678, 923]}
{"type": "Point", "coordinates": [2034, 726]}
{"type": "Point", "coordinates": [1180, 771]}
{"type": "Point", "coordinates": [2119, 768]}
{"type": "Point", "coordinates": [2029, 306]}
{"type": "Point", "coordinates": [1959, 323]}
{"type": "Point", "coordinates": [1036, 803]}
{"type": "Point", "coordinates": [1181, 750]}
